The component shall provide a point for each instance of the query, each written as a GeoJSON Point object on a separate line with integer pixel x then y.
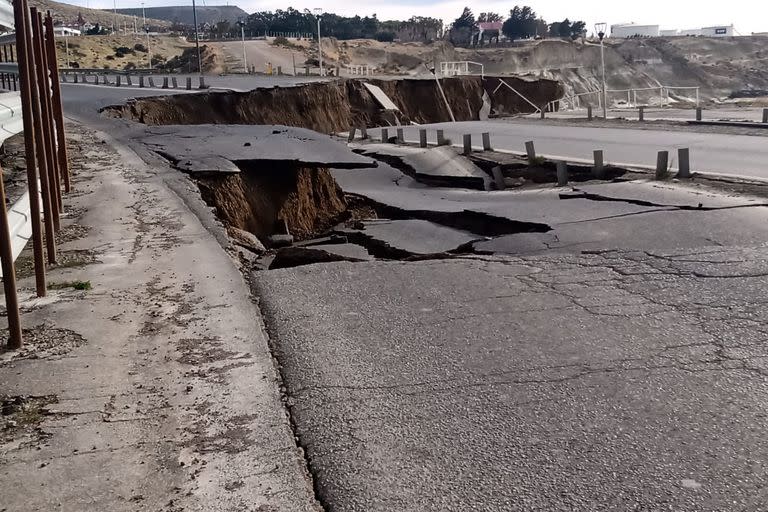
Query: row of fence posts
{"type": "Point", "coordinates": [45, 152]}
{"type": "Point", "coordinates": [598, 166]}
{"type": "Point", "coordinates": [641, 114]}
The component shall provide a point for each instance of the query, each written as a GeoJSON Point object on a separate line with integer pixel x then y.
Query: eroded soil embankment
{"type": "Point", "coordinates": [335, 106]}
{"type": "Point", "coordinates": [258, 200]}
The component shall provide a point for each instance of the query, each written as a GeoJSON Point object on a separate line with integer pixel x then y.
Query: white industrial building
{"type": "Point", "coordinates": [718, 31]}
{"type": "Point", "coordinates": [625, 30]}
{"type": "Point", "coordinates": [65, 31]}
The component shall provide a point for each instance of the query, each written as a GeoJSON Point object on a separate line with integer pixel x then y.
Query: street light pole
{"type": "Point", "coordinates": [197, 39]}
{"type": "Point", "coordinates": [146, 31]}
{"type": "Point", "coordinates": [318, 12]}
{"type": "Point", "coordinates": [242, 36]}
{"type": "Point", "coordinates": [600, 28]}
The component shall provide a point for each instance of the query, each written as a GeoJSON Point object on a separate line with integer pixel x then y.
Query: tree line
{"type": "Point", "coordinates": [522, 23]}
{"type": "Point", "coordinates": [291, 20]}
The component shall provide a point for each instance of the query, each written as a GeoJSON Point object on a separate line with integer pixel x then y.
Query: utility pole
{"type": "Point", "coordinates": [146, 31]}
{"type": "Point", "coordinates": [318, 13]}
{"type": "Point", "coordinates": [114, 19]}
{"type": "Point", "coordinates": [242, 36]}
{"type": "Point", "coordinates": [197, 39]}
{"type": "Point", "coordinates": [600, 28]}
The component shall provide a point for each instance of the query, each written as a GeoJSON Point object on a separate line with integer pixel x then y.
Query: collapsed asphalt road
{"type": "Point", "coordinates": [608, 354]}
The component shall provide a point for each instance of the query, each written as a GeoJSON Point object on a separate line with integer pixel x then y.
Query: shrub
{"type": "Point", "coordinates": [385, 37]}
{"type": "Point", "coordinates": [122, 51]}
{"type": "Point", "coordinates": [138, 47]}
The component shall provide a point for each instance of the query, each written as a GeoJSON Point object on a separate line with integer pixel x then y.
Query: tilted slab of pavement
{"type": "Point", "coordinates": [184, 143]}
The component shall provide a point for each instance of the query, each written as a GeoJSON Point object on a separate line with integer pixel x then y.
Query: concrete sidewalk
{"type": "Point", "coordinates": [154, 389]}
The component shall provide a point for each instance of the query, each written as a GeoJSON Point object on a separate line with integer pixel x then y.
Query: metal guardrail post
{"type": "Point", "coordinates": [9, 275]}
{"type": "Point", "coordinates": [562, 174]}
{"type": "Point", "coordinates": [47, 119]}
{"type": "Point", "coordinates": [422, 138]}
{"type": "Point", "coordinates": [598, 170]}
{"type": "Point", "coordinates": [530, 150]}
{"type": "Point", "coordinates": [25, 74]}
{"type": "Point", "coordinates": [58, 109]}
{"type": "Point", "coordinates": [37, 108]}
{"type": "Point", "coordinates": [487, 141]}
{"type": "Point", "coordinates": [765, 115]}
{"type": "Point", "coordinates": [467, 143]}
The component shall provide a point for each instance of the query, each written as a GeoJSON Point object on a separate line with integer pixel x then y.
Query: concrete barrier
{"type": "Point", "coordinates": [400, 136]}
{"type": "Point", "coordinates": [684, 166]}
{"type": "Point", "coordinates": [422, 138]}
{"type": "Point", "coordinates": [662, 165]}
{"type": "Point", "coordinates": [562, 174]}
{"type": "Point", "coordinates": [467, 143]}
{"type": "Point", "coordinates": [598, 169]}
{"type": "Point", "coordinates": [384, 135]}
{"type": "Point", "coordinates": [487, 141]}
{"type": "Point", "coordinates": [530, 150]}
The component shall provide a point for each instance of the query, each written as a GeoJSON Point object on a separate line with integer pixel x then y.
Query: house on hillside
{"type": "Point", "coordinates": [488, 31]}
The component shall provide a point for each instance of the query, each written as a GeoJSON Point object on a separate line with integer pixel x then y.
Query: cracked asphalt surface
{"type": "Point", "coordinates": [604, 381]}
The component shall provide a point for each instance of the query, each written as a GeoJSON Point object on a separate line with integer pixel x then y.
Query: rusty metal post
{"type": "Point", "coordinates": [50, 240]}
{"type": "Point", "coordinates": [9, 275]}
{"type": "Point", "coordinates": [58, 108]}
{"type": "Point", "coordinates": [45, 110]}
{"type": "Point", "coordinates": [25, 73]}
{"type": "Point", "coordinates": [3, 76]}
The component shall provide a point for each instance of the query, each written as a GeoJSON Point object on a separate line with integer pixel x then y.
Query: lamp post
{"type": "Point", "coordinates": [600, 29]}
{"type": "Point", "coordinates": [197, 39]}
{"type": "Point", "coordinates": [318, 13]}
{"type": "Point", "coordinates": [146, 31]}
{"type": "Point", "coordinates": [241, 24]}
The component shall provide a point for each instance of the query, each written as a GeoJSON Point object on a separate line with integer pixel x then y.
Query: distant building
{"type": "Point", "coordinates": [718, 31]}
{"type": "Point", "coordinates": [669, 33]}
{"type": "Point", "coordinates": [625, 30]}
{"type": "Point", "coordinates": [65, 31]}
{"type": "Point", "coordinates": [691, 32]}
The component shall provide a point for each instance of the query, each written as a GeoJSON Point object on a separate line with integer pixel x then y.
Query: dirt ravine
{"type": "Point", "coordinates": [336, 106]}
{"type": "Point", "coordinates": [153, 387]}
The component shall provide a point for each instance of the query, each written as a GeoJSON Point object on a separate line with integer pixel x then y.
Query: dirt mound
{"type": "Point", "coordinates": [211, 58]}
{"type": "Point", "coordinates": [258, 199]}
{"type": "Point", "coordinates": [335, 106]}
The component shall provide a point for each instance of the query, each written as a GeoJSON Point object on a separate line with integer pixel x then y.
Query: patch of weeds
{"type": "Point", "coordinates": [77, 285]}
{"type": "Point", "coordinates": [20, 417]}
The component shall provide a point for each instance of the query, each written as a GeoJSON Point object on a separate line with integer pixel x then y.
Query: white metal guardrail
{"type": "Point", "coordinates": [574, 102]}
{"type": "Point", "coordinates": [11, 123]}
{"type": "Point", "coordinates": [6, 16]}
{"type": "Point", "coordinates": [460, 68]}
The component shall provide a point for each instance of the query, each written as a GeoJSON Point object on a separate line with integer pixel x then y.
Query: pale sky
{"type": "Point", "coordinates": [747, 15]}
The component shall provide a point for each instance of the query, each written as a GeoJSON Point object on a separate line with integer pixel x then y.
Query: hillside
{"type": "Point", "coordinates": [182, 14]}
{"type": "Point", "coordinates": [720, 66]}
{"type": "Point", "coordinates": [68, 14]}
{"type": "Point", "coordinates": [102, 51]}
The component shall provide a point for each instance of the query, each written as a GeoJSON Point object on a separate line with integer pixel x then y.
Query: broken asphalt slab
{"type": "Point", "coordinates": [195, 145]}
{"type": "Point", "coordinates": [403, 238]}
{"type": "Point", "coordinates": [440, 166]}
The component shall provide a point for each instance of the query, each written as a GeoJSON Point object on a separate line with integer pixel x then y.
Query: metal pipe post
{"type": "Point", "coordinates": [9, 275]}
{"type": "Point", "coordinates": [47, 109]}
{"type": "Point", "coordinates": [605, 89]}
{"type": "Point", "coordinates": [41, 147]}
{"type": "Point", "coordinates": [58, 109]}
{"type": "Point", "coordinates": [25, 74]}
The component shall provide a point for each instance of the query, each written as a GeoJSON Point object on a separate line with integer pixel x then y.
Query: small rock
{"type": "Point", "coordinates": [245, 239]}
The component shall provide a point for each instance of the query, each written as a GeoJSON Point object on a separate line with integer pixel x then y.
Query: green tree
{"type": "Point", "coordinates": [522, 23]}
{"type": "Point", "coordinates": [489, 17]}
{"type": "Point", "coordinates": [466, 20]}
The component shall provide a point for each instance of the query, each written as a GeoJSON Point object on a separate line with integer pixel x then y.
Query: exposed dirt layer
{"type": "Point", "coordinates": [257, 200]}
{"type": "Point", "coordinates": [336, 106]}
